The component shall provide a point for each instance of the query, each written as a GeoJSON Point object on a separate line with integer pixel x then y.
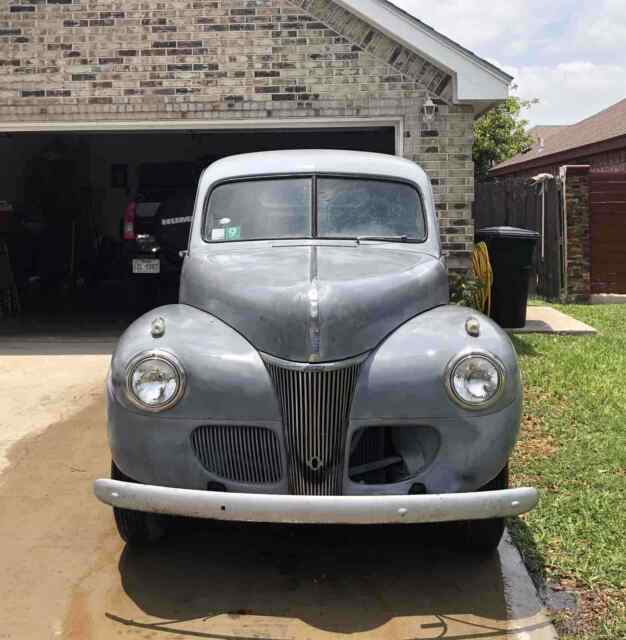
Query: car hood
{"type": "Point", "coordinates": [314, 303]}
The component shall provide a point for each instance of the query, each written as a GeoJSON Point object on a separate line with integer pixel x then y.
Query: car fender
{"type": "Point", "coordinates": [225, 376]}
{"type": "Point", "coordinates": [403, 384]}
{"type": "Point", "coordinates": [405, 376]}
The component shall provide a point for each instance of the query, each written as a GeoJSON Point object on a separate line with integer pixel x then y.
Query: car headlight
{"type": "Point", "coordinates": [155, 381]}
{"type": "Point", "coordinates": [475, 380]}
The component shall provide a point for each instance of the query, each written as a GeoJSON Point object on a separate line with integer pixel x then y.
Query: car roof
{"type": "Point", "coordinates": [313, 161]}
{"type": "Point", "coordinates": [324, 161]}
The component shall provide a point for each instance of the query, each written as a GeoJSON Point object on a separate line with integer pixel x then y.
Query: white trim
{"type": "Point", "coordinates": [128, 126]}
{"type": "Point", "coordinates": [475, 80]}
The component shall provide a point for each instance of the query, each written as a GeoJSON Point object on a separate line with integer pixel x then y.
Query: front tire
{"type": "Point", "coordinates": [483, 536]}
{"type": "Point", "coordinates": [136, 528]}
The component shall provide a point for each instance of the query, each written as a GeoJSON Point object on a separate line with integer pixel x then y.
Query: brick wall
{"type": "Point", "coordinates": [608, 161]}
{"type": "Point", "coordinates": [234, 59]}
{"type": "Point", "coordinates": [578, 207]}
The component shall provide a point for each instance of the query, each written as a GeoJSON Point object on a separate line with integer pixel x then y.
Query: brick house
{"type": "Point", "coordinates": [598, 141]}
{"type": "Point", "coordinates": [132, 81]}
{"type": "Point", "coordinates": [589, 160]}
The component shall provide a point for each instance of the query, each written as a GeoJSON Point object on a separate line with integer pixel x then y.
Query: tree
{"type": "Point", "coordinates": [501, 134]}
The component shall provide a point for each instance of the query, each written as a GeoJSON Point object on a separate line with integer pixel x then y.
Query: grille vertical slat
{"type": "Point", "coordinates": [239, 453]}
{"type": "Point", "coordinates": [315, 405]}
{"type": "Point", "coordinates": [258, 465]}
{"type": "Point", "coordinates": [236, 441]}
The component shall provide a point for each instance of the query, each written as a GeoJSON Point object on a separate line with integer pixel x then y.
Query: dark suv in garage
{"type": "Point", "coordinates": [155, 229]}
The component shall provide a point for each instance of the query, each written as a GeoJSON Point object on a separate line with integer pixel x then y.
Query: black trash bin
{"type": "Point", "coordinates": [511, 254]}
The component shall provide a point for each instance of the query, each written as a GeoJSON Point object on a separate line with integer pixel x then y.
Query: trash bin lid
{"type": "Point", "coordinates": [513, 233]}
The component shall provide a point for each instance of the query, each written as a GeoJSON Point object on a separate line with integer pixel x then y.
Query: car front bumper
{"type": "Point", "coordinates": [243, 507]}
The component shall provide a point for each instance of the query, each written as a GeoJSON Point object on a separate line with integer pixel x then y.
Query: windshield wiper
{"type": "Point", "coordinates": [383, 238]}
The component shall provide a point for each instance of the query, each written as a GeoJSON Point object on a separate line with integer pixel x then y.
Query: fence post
{"type": "Point", "coordinates": [577, 231]}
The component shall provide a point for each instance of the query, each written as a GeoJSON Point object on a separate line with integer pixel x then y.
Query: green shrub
{"type": "Point", "coordinates": [465, 290]}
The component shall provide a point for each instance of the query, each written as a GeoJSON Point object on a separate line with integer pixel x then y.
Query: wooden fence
{"type": "Point", "coordinates": [517, 202]}
{"type": "Point", "coordinates": [608, 231]}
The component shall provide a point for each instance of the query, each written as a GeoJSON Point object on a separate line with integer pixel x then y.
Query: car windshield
{"type": "Point", "coordinates": [352, 208]}
{"type": "Point", "coordinates": [260, 209]}
{"type": "Point", "coordinates": [283, 208]}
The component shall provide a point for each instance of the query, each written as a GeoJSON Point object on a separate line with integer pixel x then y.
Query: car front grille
{"type": "Point", "coordinates": [315, 404]}
{"type": "Point", "coordinates": [246, 454]}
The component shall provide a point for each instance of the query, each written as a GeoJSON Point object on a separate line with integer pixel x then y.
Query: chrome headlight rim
{"type": "Point", "coordinates": [162, 356]}
{"type": "Point", "coordinates": [460, 359]}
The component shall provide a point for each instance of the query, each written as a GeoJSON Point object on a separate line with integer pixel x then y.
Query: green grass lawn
{"type": "Point", "coordinates": [573, 448]}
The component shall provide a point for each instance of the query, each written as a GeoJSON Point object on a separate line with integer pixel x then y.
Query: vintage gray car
{"type": "Point", "coordinates": [313, 370]}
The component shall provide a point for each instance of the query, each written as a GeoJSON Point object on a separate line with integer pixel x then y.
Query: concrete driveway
{"type": "Point", "coordinates": [64, 573]}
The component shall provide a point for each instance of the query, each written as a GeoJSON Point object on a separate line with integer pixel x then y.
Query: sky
{"type": "Point", "coordinates": [570, 54]}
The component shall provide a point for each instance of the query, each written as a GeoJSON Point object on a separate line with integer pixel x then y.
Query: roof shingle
{"type": "Point", "coordinates": [608, 124]}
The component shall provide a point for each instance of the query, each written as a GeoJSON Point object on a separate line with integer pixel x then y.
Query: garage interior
{"type": "Point", "coordinates": [63, 198]}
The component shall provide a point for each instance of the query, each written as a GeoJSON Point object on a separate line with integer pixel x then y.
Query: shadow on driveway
{"type": "Point", "coordinates": [336, 580]}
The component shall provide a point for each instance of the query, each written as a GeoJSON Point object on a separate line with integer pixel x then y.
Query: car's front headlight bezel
{"type": "Point", "coordinates": [162, 356]}
{"type": "Point", "coordinates": [459, 360]}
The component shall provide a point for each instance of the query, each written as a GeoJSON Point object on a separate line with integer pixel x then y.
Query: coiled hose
{"type": "Point", "coordinates": [483, 272]}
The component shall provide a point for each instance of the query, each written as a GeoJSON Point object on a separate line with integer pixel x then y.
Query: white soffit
{"type": "Point", "coordinates": [475, 80]}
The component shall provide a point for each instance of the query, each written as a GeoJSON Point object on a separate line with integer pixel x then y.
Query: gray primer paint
{"type": "Point", "coordinates": [401, 383]}
{"type": "Point", "coordinates": [280, 295]}
{"type": "Point", "coordinates": [316, 300]}
{"type": "Point", "coordinates": [384, 300]}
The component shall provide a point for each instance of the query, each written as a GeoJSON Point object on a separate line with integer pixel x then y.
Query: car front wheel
{"type": "Point", "coordinates": [136, 527]}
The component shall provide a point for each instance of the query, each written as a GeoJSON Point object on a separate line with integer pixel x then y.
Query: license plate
{"type": "Point", "coordinates": [146, 266]}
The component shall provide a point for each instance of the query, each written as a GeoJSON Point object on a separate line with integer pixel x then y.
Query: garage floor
{"type": "Point", "coordinates": [65, 574]}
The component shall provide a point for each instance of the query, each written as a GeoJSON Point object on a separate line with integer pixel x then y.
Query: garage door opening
{"type": "Point", "coordinates": [78, 214]}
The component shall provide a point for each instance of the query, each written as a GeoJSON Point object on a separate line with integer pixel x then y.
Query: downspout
{"type": "Point", "coordinates": [541, 180]}
{"type": "Point", "coordinates": [543, 221]}
{"type": "Point", "coordinates": [563, 176]}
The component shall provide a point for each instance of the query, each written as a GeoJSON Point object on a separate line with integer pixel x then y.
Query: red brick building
{"type": "Point", "coordinates": [598, 141]}
{"type": "Point", "coordinates": [589, 161]}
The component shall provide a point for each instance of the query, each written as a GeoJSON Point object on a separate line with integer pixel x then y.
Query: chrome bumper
{"type": "Point", "coordinates": [244, 507]}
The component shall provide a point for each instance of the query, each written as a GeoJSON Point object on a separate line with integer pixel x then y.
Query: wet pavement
{"type": "Point", "coordinates": [64, 573]}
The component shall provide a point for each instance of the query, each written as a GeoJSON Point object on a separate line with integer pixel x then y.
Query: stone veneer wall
{"type": "Point", "coordinates": [234, 59]}
{"type": "Point", "coordinates": [578, 206]}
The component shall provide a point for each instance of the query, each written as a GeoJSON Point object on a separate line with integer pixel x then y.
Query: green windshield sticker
{"type": "Point", "coordinates": [232, 233]}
